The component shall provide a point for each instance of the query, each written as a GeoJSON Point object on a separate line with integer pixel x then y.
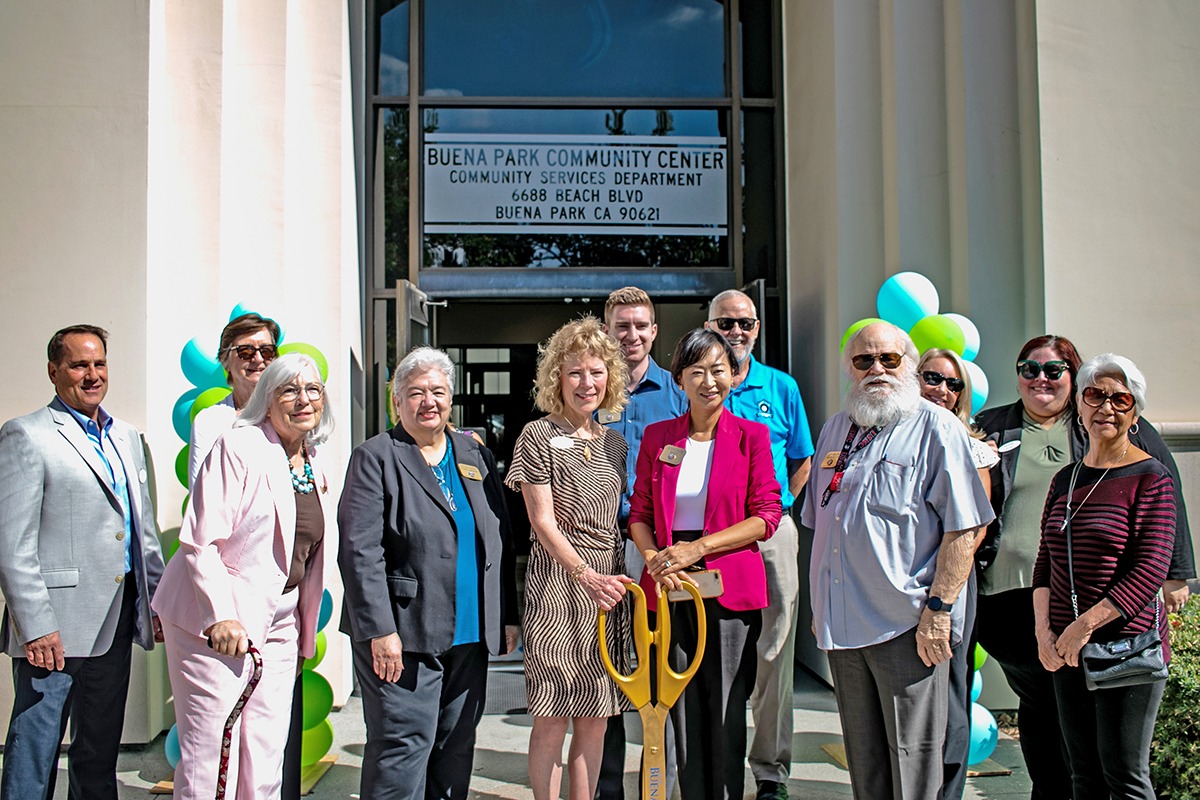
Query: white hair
{"type": "Point", "coordinates": [421, 360]}
{"type": "Point", "coordinates": [871, 408]}
{"type": "Point", "coordinates": [729, 294]}
{"type": "Point", "coordinates": [1111, 365]}
{"type": "Point", "coordinates": [278, 373]}
{"type": "Point", "coordinates": [910, 349]}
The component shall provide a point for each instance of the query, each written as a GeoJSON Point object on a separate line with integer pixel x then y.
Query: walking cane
{"type": "Point", "coordinates": [243, 698]}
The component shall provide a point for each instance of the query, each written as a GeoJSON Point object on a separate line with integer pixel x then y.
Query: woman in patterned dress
{"type": "Point", "coordinates": [570, 471]}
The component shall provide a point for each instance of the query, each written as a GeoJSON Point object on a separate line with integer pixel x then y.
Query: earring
{"type": "Point", "coordinates": [1133, 428]}
{"type": "Point", "coordinates": [1079, 419]}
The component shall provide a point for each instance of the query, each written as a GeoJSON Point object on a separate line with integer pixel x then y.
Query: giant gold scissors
{"type": "Point", "coordinates": [670, 683]}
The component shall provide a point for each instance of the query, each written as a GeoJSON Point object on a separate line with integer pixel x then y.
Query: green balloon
{"type": "Point", "coordinates": [181, 465]}
{"type": "Point", "coordinates": [209, 397]}
{"type": "Point", "coordinates": [855, 328]}
{"type": "Point", "coordinates": [936, 330]}
{"type": "Point", "coordinates": [318, 698]}
{"type": "Point", "coordinates": [169, 541]}
{"type": "Point", "coordinates": [315, 743]}
{"type": "Point", "coordinates": [980, 656]}
{"type": "Point", "coordinates": [310, 351]}
{"type": "Point", "coordinates": [319, 655]}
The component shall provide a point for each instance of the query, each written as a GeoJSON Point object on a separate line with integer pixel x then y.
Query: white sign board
{"type": "Point", "coordinates": [614, 185]}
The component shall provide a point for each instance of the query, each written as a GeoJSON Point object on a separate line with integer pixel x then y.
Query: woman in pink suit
{"type": "Point", "coordinates": [705, 494]}
{"type": "Point", "coordinates": [248, 570]}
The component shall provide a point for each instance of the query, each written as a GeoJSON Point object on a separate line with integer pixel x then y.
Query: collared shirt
{"type": "Point", "coordinates": [656, 398]}
{"type": "Point", "coordinates": [101, 438]}
{"type": "Point", "coordinates": [876, 542]}
{"type": "Point", "coordinates": [772, 397]}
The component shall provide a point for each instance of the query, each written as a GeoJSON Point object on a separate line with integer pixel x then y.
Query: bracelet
{"type": "Point", "coordinates": [577, 571]}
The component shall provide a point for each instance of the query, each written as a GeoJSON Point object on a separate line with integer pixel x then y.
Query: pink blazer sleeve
{"type": "Point", "coordinates": [763, 499]}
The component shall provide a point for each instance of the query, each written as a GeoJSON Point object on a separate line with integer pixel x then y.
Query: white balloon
{"type": "Point", "coordinates": [970, 332]}
{"type": "Point", "coordinates": [979, 386]}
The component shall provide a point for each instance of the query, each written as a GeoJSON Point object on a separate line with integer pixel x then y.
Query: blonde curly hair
{"type": "Point", "coordinates": [581, 337]}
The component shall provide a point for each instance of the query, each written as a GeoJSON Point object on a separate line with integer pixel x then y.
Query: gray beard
{"type": "Point", "coordinates": [874, 409]}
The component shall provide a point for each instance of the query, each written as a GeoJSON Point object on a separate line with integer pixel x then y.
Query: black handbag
{"type": "Point", "coordinates": [1128, 661]}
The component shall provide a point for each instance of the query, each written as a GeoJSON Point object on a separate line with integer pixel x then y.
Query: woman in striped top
{"type": "Point", "coordinates": [1122, 517]}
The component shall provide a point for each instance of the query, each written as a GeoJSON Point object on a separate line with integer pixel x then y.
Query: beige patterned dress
{"type": "Point", "coordinates": [564, 675]}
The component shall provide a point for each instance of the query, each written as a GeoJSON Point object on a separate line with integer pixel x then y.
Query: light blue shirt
{"type": "Point", "coordinates": [772, 397]}
{"type": "Point", "coordinates": [876, 542]}
{"type": "Point", "coordinates": [101, 438]}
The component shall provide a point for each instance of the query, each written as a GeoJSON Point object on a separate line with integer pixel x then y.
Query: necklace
{"type": "Point", "coordinates": [440, 470]}
{"type": "Point", "coordinates": [304, 483]}
{"type": "Point", "coordinates": [1070, 515]}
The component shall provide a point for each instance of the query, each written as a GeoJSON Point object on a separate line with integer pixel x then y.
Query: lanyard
{"type": "Point", "coordinates": [839, 469]}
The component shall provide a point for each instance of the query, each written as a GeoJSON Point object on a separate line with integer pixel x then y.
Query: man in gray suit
{"type": "Point", "coordinates": [79, 560]}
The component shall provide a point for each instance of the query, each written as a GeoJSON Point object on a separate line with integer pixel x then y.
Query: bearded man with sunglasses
{"type": "Point", "coordinates": [772, 397]}
{"type": "Point", "coordinates": [896, 507]}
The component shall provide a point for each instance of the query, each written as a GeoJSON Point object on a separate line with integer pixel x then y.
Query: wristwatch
{"type": "Point", "coordinates": [938, 604]}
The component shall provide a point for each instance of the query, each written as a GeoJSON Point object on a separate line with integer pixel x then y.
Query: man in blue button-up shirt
{"type": "Point", "coordinates": [653, 397]}
{"type": "Point", "coordinates": [79, 559]}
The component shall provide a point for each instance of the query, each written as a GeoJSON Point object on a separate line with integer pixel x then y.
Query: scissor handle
{"type": "Point", "coordinates": [636, 685]}
{"type": "Point", "coordinates": [671, 683]}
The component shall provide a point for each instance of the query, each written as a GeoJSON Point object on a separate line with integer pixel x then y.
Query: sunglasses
{"type": "Point", "coordinates": [1029, 369]}
{"type": "Point", "coordinates": [246, 351]}
{"type": "Point", "coordinates": [932, 378]}
{"type": "Point", "coordinates": [1121, 401]}
{"type": "Point", "coordinates": [727, 323]}
{"type": "Point", "coordinates": [864, 361]}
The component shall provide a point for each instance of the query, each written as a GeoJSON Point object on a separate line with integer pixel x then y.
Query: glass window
{"type": "Point", "coordinates": [393, 146]}
{"type": "Point", "coordinates": [758, 65]}
{"type": "Point", "coordinates": [578, 48]}
{"type": "Point", "coordinates": [392, 30]}
{"type": "Point", "coordinates": [758, 197]}
{"type": "Point", "coordinates": [575, 188]}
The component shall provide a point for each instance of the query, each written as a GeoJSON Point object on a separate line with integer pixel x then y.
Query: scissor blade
{"type": "Point", "coordinates": [654, 755]}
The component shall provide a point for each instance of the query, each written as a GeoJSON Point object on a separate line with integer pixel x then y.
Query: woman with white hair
{"type": "Point", "coordinates": [248, 571]}
{"type": "Point", "coordinates": [430, 592]}
{"type": "Point", "coordinates": [1107, 533]}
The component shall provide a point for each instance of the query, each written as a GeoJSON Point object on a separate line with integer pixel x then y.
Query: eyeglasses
{"type": "Point", "coordinates": [864, 361]}
{"type": "Point", "coordinates": [291, 393]}
{"type": "Point", "coordinates": [1121, 401]}
{"type": "Point", "coordinates": [246, 351]}
{"type": "Point", "coordinates": [932, 378]}
{"type": "Point", "coordinates": [745, 323]}
{"type": "Point", "coordinates": [1030, 369]}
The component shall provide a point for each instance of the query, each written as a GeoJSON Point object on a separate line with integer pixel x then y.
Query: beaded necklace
{"type": "Point", "coordinates": [304, 484]}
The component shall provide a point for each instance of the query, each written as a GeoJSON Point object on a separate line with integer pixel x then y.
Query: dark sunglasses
{"type": "Point", "coordinates": [864, 361]}
{"type": "Point", "coordinates": [745, 323]}
{"type": "Point", "coordinates": [1121, 401]}
{"type": "Point", "coordinates": [932, 378]}
{"type": "Point", "coordinates": [1030, 369]}
{"type": "Point", "coordinates": [246, 351]}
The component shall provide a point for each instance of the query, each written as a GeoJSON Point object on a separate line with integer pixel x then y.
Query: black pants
{"type": "Point", "coordinates": [290, 790]}
{"type": "Point", "coordinates": [1108, 735]}
{"type": "Point", "coordinates": [958, 713]}
{"type": "Point", "coordinates": [611, 785]}
{"type": "Point", "coordinates": [1005, 625]}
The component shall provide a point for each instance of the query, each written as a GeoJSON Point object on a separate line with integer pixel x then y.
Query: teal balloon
{"type": "Point", "coordinates": [326, 610]}
{"type": "Point", "coordinates": [318, 698]}
{"type": "Point", "coordinates": [199, 367]}
{"type": "Point", "coordinates": [855, 327]}
{"type": "Point", "coordinates": [976, 687]}
{"type": "Point", "coordinates": [171, 746]}
{"type": "Point", "coordinates": [322, 643]}
{"type": "Point", "coordinates": [209, 397]}
{"type": "Point", "coordinates": [310, 351]}
{"type": "Point", "coordinates": [937, 330]}
{"type": "Point", "coordinates": [970, 336]}
{"type": "Point", "coordinates": [905, 298]}
{"type": "Point", "coordinates": [181, 465]}
{"type": "Point", "coordinates": [984, 734]}
{"type": "Point", "coordinates": [315, 742]}
{"type": "Point", "coordinates": [979, 386]}
{"type": "Point", "coordinates": [181, 419]}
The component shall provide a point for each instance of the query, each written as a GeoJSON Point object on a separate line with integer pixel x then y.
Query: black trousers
{"type": "Point", "coordinates": [1108, 735]}
{"type": "Point", "coordinates": [958, 713]}
{"type": "Point", "coordinates": [1005, 625]}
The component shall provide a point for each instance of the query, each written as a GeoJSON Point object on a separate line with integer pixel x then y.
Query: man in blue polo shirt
{"type": "Point", "coordinates": [653, 396]}
{"type": "Point", "coordinates": [771, 397]}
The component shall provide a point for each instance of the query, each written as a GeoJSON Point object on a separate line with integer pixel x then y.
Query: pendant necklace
{"type": "Point", "coordinates": [440, 472]}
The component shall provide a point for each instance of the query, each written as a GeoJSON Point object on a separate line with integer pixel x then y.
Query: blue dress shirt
{"type": "Point", "coordinates": [101, 438]}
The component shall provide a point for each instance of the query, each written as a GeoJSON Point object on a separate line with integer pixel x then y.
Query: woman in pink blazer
{"type": "Point", "coordinates": [705, 494]}
{"type": "Point", "coordinates": [248, 570]}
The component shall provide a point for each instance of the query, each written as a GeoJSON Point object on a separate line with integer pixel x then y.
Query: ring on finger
{"type": "Point", "coordinates": [667, 563]}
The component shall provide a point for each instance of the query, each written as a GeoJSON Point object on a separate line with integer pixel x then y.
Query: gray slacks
{"type": "Point", "coordinates": [891, 704]}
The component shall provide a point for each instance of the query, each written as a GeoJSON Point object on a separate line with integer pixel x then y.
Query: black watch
{"type": "Point", "coordinates": [938, 604]}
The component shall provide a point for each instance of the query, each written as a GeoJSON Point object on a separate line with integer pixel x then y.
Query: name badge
{"type": "Point", "coordinates": [830, 460]}
{"type": "Point", "coordinates": [469, 472]}
{"type": "Point", "coordinates": [672, 455]}
{"type": "Point", "coordinates": [562, 443]}
{"type": "Point", "coordinates": [606, 417]}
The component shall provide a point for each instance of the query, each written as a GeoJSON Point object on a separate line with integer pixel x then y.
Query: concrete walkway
{"type": "Point", "coordinates": [502, 747]}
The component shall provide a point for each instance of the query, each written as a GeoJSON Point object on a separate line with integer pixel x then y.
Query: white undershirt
{"type": "Point", "coordinates": [691, 492]}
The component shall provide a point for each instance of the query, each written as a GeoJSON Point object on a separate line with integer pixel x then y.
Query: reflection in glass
{"type": "Point", "coordinates": [392, 29]}
{"type": "Point", "coordinates": [394, 150]}
{"type": "Point", "coordinates": [577, 48]}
